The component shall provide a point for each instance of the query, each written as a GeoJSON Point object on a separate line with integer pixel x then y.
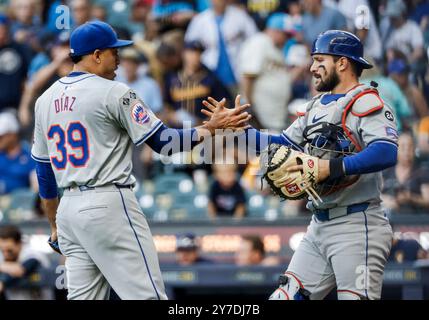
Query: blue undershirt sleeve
{"type": "Point", "coordinates": [167, 141]}
{"type": "Point", "coordinates": [375, 157]}
{"type": "Point", "coordinates": [258, 140]}
{"type": "Point", "coordinates": [47, 184]}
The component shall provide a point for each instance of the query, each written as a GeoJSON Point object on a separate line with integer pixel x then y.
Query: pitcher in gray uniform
{"type": "Point", "coordinates": [85, 125]}
{"type": "Point", "coordinates": [353, 133]}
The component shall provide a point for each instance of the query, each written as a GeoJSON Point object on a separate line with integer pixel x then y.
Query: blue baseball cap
{"type": "Point", "coordinates": [277, 21]}
{"type": "Point", "coordinates": [94, 35]}
{"type": "Point", "coordinates": [186, 241]}
{"type": "Point", "coordinates": [398, 66]}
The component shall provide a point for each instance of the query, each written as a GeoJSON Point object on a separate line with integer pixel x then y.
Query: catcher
{"type": "Point", "coordinates": [334, 154]}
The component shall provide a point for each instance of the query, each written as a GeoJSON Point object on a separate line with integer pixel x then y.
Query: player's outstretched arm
{"type": "Point", "coordinates": [255, 139]}
{"type": "Point", "coordinates": [167, 141]}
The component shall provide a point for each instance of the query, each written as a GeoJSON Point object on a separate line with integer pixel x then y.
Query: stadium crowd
{"type": "Point", "coordinates": [187, 50]}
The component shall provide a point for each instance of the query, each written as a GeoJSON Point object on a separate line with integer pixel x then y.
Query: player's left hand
{"type": "Point", "coordinates": [323, 169]}
{"type": "Point", "coordinates": [53, 242]}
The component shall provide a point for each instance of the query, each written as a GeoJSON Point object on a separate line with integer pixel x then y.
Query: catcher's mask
{"type": "Point", "coordinates": [328, 141]}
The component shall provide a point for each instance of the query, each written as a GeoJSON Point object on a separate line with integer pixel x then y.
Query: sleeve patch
{"type": "Point", "coordinates": [139, 114]}
{"type": "Point", "coordinates": [391, 132]}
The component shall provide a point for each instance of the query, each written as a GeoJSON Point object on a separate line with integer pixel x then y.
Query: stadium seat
{"type": "Point", "coordinates": [21, 205]}
{"type": "Point", "coordinates": [256, 205]}
{"type": "Point", "coordinates": [169, 182]}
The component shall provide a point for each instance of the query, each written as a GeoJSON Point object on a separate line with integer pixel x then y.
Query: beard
{"type": "Point", "coordinates": [329, 83]}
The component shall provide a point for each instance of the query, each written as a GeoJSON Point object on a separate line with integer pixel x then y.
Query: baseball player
{"type": "Point", "coordinates": [352, 132]}
{"type": "Point", "coordinates": [85, 125]}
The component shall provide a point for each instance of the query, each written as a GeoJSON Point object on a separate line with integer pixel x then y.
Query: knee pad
{"type": "Point", "coordinates": [290, 289]}
{"type": "Point", "coordinates": [349, 295]}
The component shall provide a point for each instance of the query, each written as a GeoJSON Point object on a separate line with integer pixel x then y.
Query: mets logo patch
{"type": "Point", "coordinates": [139, 113]}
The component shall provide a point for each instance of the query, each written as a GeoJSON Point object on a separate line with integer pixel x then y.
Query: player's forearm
{"type": "Point", "coordinates": [376, 157]}
{"type": "Point", "coordinates": [43, 76]}
{"type": "Point", "coordinates": [50, 207]}
{"type": "Point", "coordinates": [13, 269]}
{"type": "Point", "coordinates": [48, 191]}
{"type": "Point", "coordinates": [259, 140]}
{"type": "Point", "coordinates": [419, 201]}
{"type": "Point", "coordinates": [168, 141]}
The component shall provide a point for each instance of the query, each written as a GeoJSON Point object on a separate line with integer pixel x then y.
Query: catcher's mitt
{"type": "Point", "coordinates": [291, 185]}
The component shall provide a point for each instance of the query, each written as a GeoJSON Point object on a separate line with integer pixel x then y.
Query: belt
{"type": "Point", "coordinates": [87, 188]}
{"type": "Point", "coordinates": [329, 214]}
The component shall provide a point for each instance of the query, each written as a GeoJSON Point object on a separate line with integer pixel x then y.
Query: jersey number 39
{"type": "Point", "coordinates": [76, 137]}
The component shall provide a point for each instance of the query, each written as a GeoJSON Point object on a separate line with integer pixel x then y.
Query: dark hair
{"type": "Point", "coordinates": [75, 59]}
{"type": "Point", "coordinates": [10, 232]}
{"type": "Point", "coordinates": [257, 243]}
{"type": "Point", "coordinates": [165, 50]}
{"type": "Point", "coordinates": [356, 67]}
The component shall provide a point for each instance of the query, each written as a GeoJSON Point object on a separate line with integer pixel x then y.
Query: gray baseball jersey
{"type": "Point", "coordinates": [369, 120]}
{"type": "Point", "coordinates": [85, 126]}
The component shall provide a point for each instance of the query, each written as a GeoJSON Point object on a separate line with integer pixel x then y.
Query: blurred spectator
{"type": "Point", "coordinates": [423, 137]}
{"type": "Point", "coordinates": [19, 262]}
{"type": "Point", "coordinates": [173, 14]}
{"type": "Point", "coordinates": [26, 25]}
{"type": "Point", "coordinates": [390, 92]}
{"type": "Point", "coordinates": [187, 88]}
{"type": "Point", "coordinates": [226, 195]}
{"type": "Point", "coordinates": [406, 186]}
{"type": "Point", "coordinates": [59, 67]}
{"type": "Point", "coordinates": [188, 251]}
{"type": "Point", "coordinates": [265, 79]}
{"type": "Point", "coordinates": [81, 12]}
{"type": "Point", "coordinates": [400, 72]}
{"type": "Point", "coordinates": [399, 32]}
{"type": "Point", "coordinates": [222, 30]}
{"type": "Point", "coordinates": [135, 77]}
{"type": "Point", "coordinates": [318, 18]}
{"type": "Point", "coordinates": [362, 23]}
{"type": "Point", "coordinates": [406, 250]}
{"type": "Point", "coordinates": [148, 43]}
{"type": "Point", "coordinates": [140, 12]}
{"type": "Point", "coordinates": [251, 251]}
{"type": "Point", "coordinates": [298, 63]}
{"type": "Point", "coordinates": [42, 58]}
{"type": "Point", "coordinates": [259, 10]}
{"type": "Point", "coordinates": [17, 168]}
{"type": "Point", "coordinates": [98, 12]}
{"type": "Point", "coordinates": [169, 57]}
{"type": "Point", "coordinates": [14, 60]}
{"type": "Point", "coordinates": [421, 16]}
{"type": "Point", "coordinates": [132, 72]}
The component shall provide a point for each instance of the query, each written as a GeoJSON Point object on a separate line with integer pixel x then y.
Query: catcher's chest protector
{"type": "Point", "coordinates": [343, 113]}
